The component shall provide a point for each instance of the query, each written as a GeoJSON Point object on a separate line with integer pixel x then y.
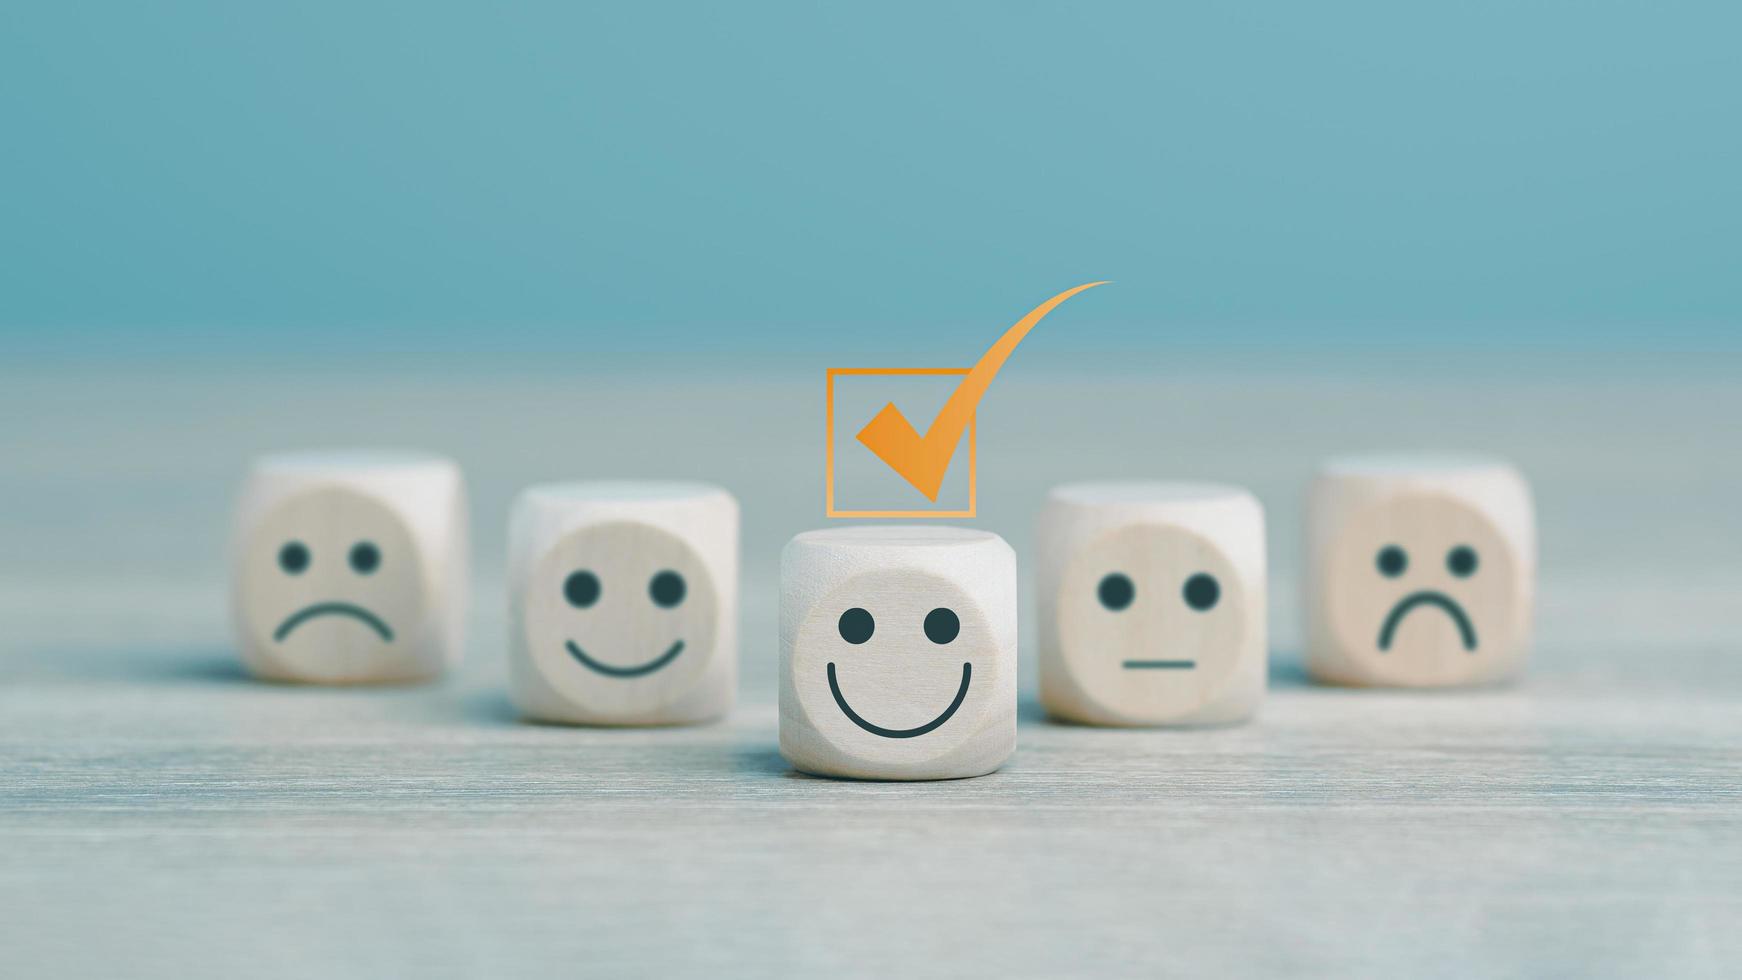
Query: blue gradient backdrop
{"type": "Point", "coordinates": [460, 176]}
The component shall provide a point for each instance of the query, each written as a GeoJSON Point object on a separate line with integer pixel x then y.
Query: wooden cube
{"type": "Point", "coordinates": [623, 602]}
{"type": "Point", "coordinates": [350, 567]}
{"type": "Point", "coordinates": [1151, 600]}
{"type": "Point", "coordinates": [898, 652]}
{"type": "Point", "coordinates": [1421, 571]}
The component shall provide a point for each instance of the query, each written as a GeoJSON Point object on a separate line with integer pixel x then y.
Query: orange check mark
{"type": "Point", "coordinates": [923, 460]}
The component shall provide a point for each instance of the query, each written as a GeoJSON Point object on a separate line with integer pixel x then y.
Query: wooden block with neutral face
{"type": "Point", "coordinates": [897, 652]}
{"type": "Point", "coordinates": [623, 602]}
{"type": "Point", "coordinates": [1151, 600]}
{"type": "Point", "coordinates": [350, 567]}
{"type": "Point", "coordinates": [1421, 571]}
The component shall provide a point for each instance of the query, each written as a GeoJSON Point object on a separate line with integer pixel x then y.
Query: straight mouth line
{"type": "Point", "coordinates": [930, 726]}
{"type": "Point", "coordinates": [610, 671]}
{"type": "Point", "coordinates": [332, 609]}
{"type": "Point", "coordinates": [1440, 599]}
{"type": "Point", "coordinates": [1160, 664]}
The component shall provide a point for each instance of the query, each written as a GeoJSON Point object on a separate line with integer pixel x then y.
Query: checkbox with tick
{"type": "Point", "coordinates": [859, 483]}
{"type": "Point", "coordinates": [924, 462]}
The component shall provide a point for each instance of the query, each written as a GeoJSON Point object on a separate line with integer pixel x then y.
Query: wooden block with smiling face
{"type": "Point", "coordinates": [350, 567]}
{"type": "Point", "coordinates": [1151, 603]}
{"type": "Point", "coordinates": [898, 652]}
{"type": "Point", "coordinates": [1421, 571]}
{"type": "Point", "coordinates": [623, 602]}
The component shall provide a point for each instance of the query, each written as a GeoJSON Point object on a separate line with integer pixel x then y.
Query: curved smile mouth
{"type": "Point", "coordinates": [846, 709]}
{"type": "Point", "coordinates": [1440, 599]}
{"type": "Point", "coordinates": [307, 613]}
{"type": "Point", "coordinates": [610, 671]}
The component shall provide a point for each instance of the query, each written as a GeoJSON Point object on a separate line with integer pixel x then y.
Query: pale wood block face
{"type": "Point", "coordinates": [350, 567]}
{"type": "Point", "coordinates": [1152, 603]}
{"type": "Point", "coordinates": [623, 602]}
{"type": "Point", "coordinates": [898, 652]}
{"type": "Point", "coordinates": [1421, 571]}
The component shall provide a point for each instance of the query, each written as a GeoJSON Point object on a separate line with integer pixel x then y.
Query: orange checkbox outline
{"type": "Point", "coordinates": [829, 449]}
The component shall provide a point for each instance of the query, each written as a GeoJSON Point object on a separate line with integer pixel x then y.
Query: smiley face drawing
{"type": "Point", "coordinates": [330, 583]}
{"type": "Point", "coordinates": [941, 626]}
{"type": "Point", "coordinates": [1422, 591]}
{"type": "Point", "coordinates": [900, 665]}
{"type": "Point", "coordinates": [620, 618]}
{"type": "Point", "coordinates": [1152, 623]}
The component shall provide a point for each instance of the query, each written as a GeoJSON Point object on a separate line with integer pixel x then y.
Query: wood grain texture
{"type": "Point", "coordinates": [161, 814]}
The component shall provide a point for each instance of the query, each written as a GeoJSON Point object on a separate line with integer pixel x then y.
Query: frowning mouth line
{"type": "Point", "coordinates": [332, 609]}
{"type": "Point", "coordinates": [1160, 664]}
{"type": "Point", "coordinates": [1440, 599]}
{"type": "Point", "coordinates": [853, 716]}
{"type": "Point", "coordinates": [610, 671]}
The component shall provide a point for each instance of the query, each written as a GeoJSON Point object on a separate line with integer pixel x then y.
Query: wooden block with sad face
{"type": "Point", "coordinates": [1151, 603]}
{"type": "Point", "coordinates": [350, 567]}
{"type": "Point", "coordinates": [897, 652]}
{"type": "Point", "coordinates": [1420, 571]}
{"type": "Point", "coordinates": [623, 603]}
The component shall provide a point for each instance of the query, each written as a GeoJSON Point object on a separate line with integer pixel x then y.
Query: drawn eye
{"type": "Point", "coordinates": [856, 626]}
{"type": "Point", "coordinates": [1116, 591]}
{"type": "Point", "coordinates": [365, 557]}
{"type": "Point", "coordinates": [1202, 592]}
{"type": "Point", "coordinates": [1462, 561]}
{"type": "Point", "coordinates": [293, 557]}
{"type": "Point", "coordinates": [941, 625]}
{"type": "Point", "coordinates": [581, 589]}
{"type": "Point", "coordinates": [667, 589]}
{"type": "Point", "coordinates": [1392, 561]}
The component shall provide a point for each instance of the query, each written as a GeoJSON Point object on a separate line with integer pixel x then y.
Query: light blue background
{"type": "Point", "coordinates": [191, 177]}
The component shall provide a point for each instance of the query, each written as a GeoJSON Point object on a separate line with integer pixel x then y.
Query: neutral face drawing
{"type": "Point", "coordinates": [896, 661]}
{"type": "Point", "coordinates": [621, 614]}
{"type": "Point", "coordinates": [1150, 621]}
{"type": "Point", "coordinates": [330, 579]}
{"type": "Point", "coordinates": [1420, 587]}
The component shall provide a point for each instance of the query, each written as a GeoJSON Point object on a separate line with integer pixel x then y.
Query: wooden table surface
{"type": "Point", "coordinates": [161, 814]}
